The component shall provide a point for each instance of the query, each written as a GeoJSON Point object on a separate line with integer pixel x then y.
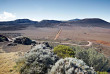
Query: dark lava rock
{"type": "Point", "coordinates": [23, 40]}
{"type": "Point", "coordinates": [3, 38]}
{"type": "Point", "coordinates": [12, 44]}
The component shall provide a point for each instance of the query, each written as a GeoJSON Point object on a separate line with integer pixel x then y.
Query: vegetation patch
{"type": "Point", "coordinates": [64, 51]}
{"type": "Point", "coordinates": [71, 66]}
{"type": "Point", "coordinates": [38, 60]}
{"type": "Point", "coordinates": [93, 58]}
{"type": "Point", "coordinates": [42, 59]}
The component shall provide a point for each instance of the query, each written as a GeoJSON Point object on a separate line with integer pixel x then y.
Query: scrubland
{"type": "Point", "coordinates": [79, 35]}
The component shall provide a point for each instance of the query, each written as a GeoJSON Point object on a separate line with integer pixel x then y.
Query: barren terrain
{"type": "Point", "coordinates": [73, 34]}
{"type": "Point", "coordinates": [89, 36]}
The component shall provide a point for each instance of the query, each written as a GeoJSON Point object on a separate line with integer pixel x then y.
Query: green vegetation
{"type": "Point", "coordinates": [92, 58]}
{"type": "Point", "coordinates": [64, 51]}
{"type": "Point", "coordinates": [41, 60]}
{"type": "Point", "coordinates": [36, 61]}
{"type": "Point", "coordinates": [71, 66]}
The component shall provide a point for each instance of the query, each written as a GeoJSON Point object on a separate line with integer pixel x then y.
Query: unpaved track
{"type": "Point", "coordinates": [58, 34]}
{"type": "Point", "coordinates": [89, 43]}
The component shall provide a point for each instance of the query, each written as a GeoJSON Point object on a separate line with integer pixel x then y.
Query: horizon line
{"type": "Point", "coordinates": [51, 19]}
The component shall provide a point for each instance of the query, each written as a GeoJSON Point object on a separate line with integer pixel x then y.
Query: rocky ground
{"type": "Point", "coordinates": [98, 36]}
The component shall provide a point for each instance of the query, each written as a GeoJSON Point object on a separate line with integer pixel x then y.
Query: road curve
{"type": "Point", "coordinates": [89, 43]}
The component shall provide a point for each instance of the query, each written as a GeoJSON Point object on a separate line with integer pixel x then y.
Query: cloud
{"type": "Point", "coordinates": [6, 16]}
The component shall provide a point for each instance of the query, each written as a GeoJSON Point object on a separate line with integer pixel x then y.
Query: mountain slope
{"type": "Point", "coordinates": [18, 22]}
{"type": "Point", "coordinates": [74, 20]}
{"type": "Point", "coordinates": [23, 23]}
{"type": "Point", "coordinates": [94, 22]}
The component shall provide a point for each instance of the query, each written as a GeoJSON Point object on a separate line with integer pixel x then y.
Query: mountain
{"type": "Point", "coordinates": [23, 23]}
{"type": "Point", "coordinates": [29, 22]}
{"type": "Point", "coordinates": [18, 22]}
{"type": "Point", "coordinates": [74, 19]}
{"type": "Point", "coordinates": [94, 22]}
{"type": "Point", "coordinates": [48, 23]}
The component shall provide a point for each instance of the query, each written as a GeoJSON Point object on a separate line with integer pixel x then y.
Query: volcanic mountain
{"type": "Point", "coordinates": [90, 22]}
{"type": "Point", "coordinates": [18, 22]}
{"type": "Point", "coordinates": [23, 23]}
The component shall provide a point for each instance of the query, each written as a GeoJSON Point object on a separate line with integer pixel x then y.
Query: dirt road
{"type": "Point", "coordinates": [58, 34]}
{"type": "Point", "coordinates": [89, 43]}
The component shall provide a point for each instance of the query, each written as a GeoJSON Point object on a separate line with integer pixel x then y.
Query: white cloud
{"type": "Point", "coordinates": [6, 16]}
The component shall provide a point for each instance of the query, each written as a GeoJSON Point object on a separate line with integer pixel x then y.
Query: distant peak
{"type": "Point", "coordinates": [50, 21]}
{"type": "Point", "coordinates": [94, 19]}
{"type": "Point", "coordinates": [22, 20]}
{"type": "Point", "coordinates": [75, 19]}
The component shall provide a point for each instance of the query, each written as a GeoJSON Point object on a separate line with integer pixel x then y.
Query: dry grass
{"type": "Point", "coordinates": [1, 51]}
{"type": "Point", "coordinates": [7, 63]}
{"type": "Point", "coordinates": [17, 48]}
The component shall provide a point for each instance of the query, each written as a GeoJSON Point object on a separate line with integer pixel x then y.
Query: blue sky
{"type": "Point", "coordinates": [54, 9]}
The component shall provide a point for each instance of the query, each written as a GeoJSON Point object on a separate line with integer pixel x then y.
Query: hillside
{"type": "Point", "coordinates": [91, 22]}
{"type": "Point", "coordinates": [21, 24]}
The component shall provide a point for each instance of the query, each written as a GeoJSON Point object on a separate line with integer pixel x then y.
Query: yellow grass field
{"type": "Point", "coordinates": [7, 63]}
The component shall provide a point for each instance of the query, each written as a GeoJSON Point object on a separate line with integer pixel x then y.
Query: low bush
{"type": "Point", "coordinates": [93, 58]}
{"type": "Point", "coordinates": [64, 51]}
{"type": "Point", "coordinates": [38, 60]}
{"type": "Point", "coordinates": [71, 66]}
{"type": "Point", "coordinates": [41, 59]}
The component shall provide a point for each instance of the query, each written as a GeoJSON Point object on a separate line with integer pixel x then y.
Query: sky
{"type": "Point", "coordinates": [38, 10]}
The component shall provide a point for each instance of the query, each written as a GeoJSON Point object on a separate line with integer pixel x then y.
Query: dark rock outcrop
{"type": "Point", "coordinates": [12, 44]}
{"type": "Point", "coordinates": [3, 38]}
{"type": "Point", "coordinates": [23, 40]}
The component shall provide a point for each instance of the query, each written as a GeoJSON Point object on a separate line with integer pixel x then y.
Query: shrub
{"type": "Point", "coordinates": [38, 60]}
{"type": "Point", "coordinates": [71, 66]}
{"type": "Point", "coordinates": [63, 51]}
{"type": "Point", "coordinates": [93, 58]}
